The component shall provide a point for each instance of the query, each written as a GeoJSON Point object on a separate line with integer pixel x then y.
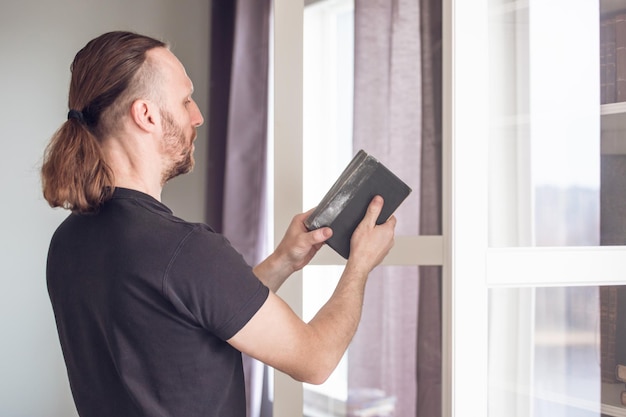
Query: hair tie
{"type": "Point", "coordinates": [75, 114]}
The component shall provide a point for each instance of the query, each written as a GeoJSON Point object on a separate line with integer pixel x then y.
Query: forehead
{"type": "Point", "coordinates": [171, 68]}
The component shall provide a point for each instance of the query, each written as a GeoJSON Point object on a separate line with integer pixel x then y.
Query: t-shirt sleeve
{"type": "Point", "coordinates": [209, 282]}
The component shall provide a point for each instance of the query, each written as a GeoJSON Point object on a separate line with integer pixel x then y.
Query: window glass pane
{"type": "Point", "coordinates": [379, 374]}
{"type": "Point", "coordinates": [327, 147]}
{"type": "Point", "coordinates": [330, 398]}
{"type": "Point", "coordinates": [383, 354]}
{"type": "Point", "coordinates": [554, 351]}
{"type": "Point", "coordinates": [328, 85]}
{"type": "Point", "coordinates": [544, 123]}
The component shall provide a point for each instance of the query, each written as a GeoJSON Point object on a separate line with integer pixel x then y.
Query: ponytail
{"type": "Point", "coordinates": [106, 77]}
{"type": "Point", "coordinates": [74, 173]}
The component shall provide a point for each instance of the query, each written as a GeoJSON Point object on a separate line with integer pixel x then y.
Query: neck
{"type": "Point", "coordinates": [133, 167]}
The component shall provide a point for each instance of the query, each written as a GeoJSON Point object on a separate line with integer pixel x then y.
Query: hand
{"type": "Point", "coordinates": [370, 243]}
{"type": "Point", "coordinates": [299, 245]}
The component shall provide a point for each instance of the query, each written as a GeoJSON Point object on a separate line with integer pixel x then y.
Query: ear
{"type": "Point", "coordinates": [145, 115]}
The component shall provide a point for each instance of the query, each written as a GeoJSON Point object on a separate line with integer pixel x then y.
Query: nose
{"type": "Point", "coordinates": [196, 116]}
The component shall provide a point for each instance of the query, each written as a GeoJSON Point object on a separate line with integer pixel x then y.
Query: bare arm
{"type": "Point", "coordinates": [310, 351]}
{"type": "Point", "coordinates": [295, 250]}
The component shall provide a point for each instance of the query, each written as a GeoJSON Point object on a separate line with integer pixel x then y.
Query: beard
{"type": "Point", "coordinates": [178, 147]}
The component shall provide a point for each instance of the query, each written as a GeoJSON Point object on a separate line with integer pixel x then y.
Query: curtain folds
{"type": "Point", "coordinates": [397, 117]}
{"type": "Point", "coordinates": [387, 124]}
{"type": "Point", "coordinates": [244, 182]}
{"type": "Point", "coordinates": [429, 317]}
{"type": "Point", "coordinates": [238, 139]}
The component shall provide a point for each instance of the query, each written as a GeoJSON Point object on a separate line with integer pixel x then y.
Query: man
{"type": "Point", "coordinates": [153, 312]}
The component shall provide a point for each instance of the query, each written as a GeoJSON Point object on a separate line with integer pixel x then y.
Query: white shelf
{"type": "Point", "coordinates": [613, 124]}
{"type": "Point", "coordinates": [613, 117]}
{"type": "Point", "coordinates": [611, 404]}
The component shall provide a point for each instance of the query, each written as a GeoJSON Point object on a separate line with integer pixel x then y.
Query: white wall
{"type": "Point", "coordinates": [38, 40]}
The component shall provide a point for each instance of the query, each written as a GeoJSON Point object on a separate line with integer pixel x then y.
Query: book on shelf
{"type": "Point", "coordinates": [613, 58]}
{"type": "Point", "coordinates": [607, 61]}
{"type": "Point", "coordinates": [620, 372]}
{"type": "Point", "coordinates": [620, 57]}
{"type": "Point", "coordinates": [345, 203]}
{"type": "Point", "coordinates": [608, 322]}
{"type": "Point", "coordinates": [613, 333]}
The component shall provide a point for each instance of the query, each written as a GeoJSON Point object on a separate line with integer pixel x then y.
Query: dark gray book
{"type": "Point", "coordinates": [345, 204]}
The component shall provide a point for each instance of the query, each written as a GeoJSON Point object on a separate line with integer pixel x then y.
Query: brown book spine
{"type": "Point", "coordinates": [608, 321]}
{"type": "Point", "coordinates": [608, 89]}
{"type": "Point", "coordinates": [603, 24]}
{"type": "Point", "coordinates": [620, 372]}
{"type": "Point", "coordinates": [610, 77]}
{"type": "Point", "coordinates": [620, 57]}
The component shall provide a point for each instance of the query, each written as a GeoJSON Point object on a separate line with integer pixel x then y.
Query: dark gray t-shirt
{"type": "Point", "coordinates": [144, 302]}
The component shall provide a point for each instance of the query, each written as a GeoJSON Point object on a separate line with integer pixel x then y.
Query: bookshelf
{"type": "Point", "coordinates": [613, 153]}
{"type": "Point", "coordinates": [612, 47]}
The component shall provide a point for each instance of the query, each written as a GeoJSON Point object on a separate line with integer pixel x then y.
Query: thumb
{"type": "Point", "coordinates": [373, 210]}
{"type": "Point", "coordinates": [321, 235]}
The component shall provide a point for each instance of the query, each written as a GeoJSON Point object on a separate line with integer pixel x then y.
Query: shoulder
{"type": "Point", "coordinates": [210, 280]}
{"type": "Point", "coordinates": [207, 251]}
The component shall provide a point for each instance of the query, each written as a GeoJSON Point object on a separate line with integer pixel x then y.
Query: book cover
{"type": "Point", "coordinates": [345, 204]}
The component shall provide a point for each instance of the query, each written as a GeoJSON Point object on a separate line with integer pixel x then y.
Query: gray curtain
{"type": "Point", "coordinates": [238, 140]}
{"type": "Point", "coordinates": [429, 317]}
{"type": "Point", "coordinates": [244, 189]}
{"type": "Point", "coordinates": [397, 118]}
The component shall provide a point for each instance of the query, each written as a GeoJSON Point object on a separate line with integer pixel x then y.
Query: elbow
{"type": "Point", "coordinates": [314, 359]}
{"type": "Point", "coordinates": [315, 371]}
{"type": "Point", "coordinates": [313, 377]}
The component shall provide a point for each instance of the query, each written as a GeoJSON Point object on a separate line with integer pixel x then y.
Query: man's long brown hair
{"type": "Point", "coordinates": [108, 74]}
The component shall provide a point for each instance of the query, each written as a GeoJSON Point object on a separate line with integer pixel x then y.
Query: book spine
{"type": "Point", "coordinates": [342, 191]}
{"type": "Point", "coordinates": [330, 199]}
{"type": "Point", "coordinates": [610, 61]}
{"type": "Point", "coordinates": [620, 57]}
{"type": "Point", "coordinates": [608, 322]}
{"type": "Point", "coordinates": [603, 25]}
{"type": "Point", "coordinates": [620, 373]}
{"type": "Point", "coordinates": [608, 89]}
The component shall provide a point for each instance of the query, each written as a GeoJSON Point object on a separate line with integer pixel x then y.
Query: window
{"type": "Point", "coordinates": [298, 162]}
{"type": "Point", "coordinates": [327, 148]}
